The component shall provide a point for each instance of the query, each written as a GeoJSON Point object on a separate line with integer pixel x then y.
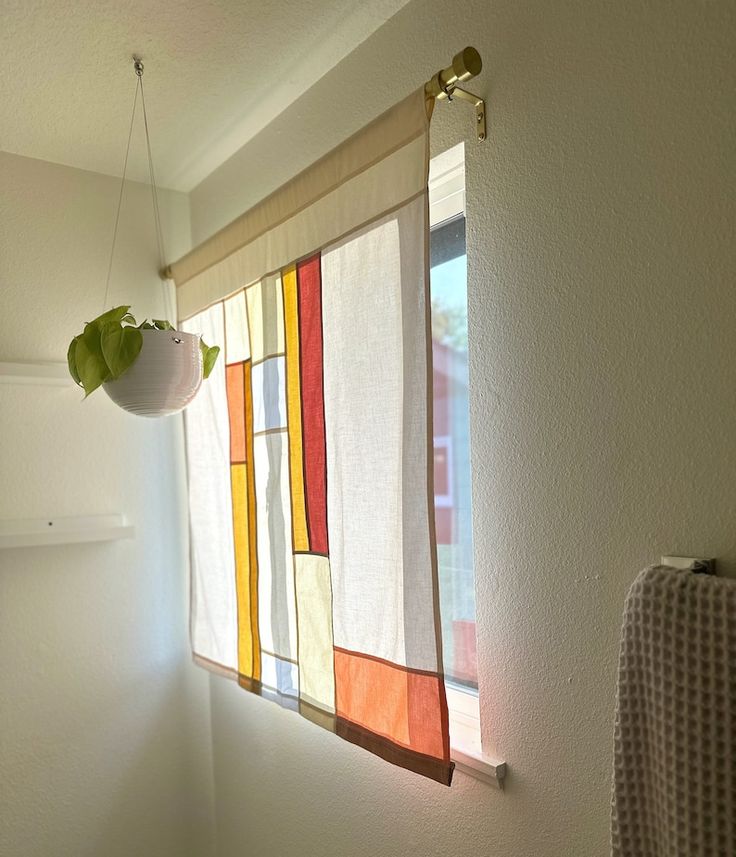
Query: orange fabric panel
{"type": "Point", "coordinates": [391, 701]}
{"type": "Point", "coordinates": [236, 411]}
{"type": "Point", "coordinates": [428, 716]}
{"type": "Point", "coordinates": [373, 695]}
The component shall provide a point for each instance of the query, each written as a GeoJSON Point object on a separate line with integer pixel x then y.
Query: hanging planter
{"type": "Point", "coordinates": [165, 377]}
{"type": "Point", "coordinates": [151, 369]}
{"type": "Point", "coordinates": [148, 369]}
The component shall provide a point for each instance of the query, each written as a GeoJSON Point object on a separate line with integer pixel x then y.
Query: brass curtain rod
{"type": "Point", "coordinates": [465, 65]}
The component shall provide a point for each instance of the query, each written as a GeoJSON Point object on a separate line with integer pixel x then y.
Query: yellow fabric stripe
{"type": "Point", "coordinates": [238, 481]}
{"type": "Point", "coordinates": [252, 542]}
{"type": "Point", "coordinates": [300, 534]}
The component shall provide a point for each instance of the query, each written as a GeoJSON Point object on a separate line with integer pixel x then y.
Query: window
{"type": "Point", "coordinates": [452, 500]}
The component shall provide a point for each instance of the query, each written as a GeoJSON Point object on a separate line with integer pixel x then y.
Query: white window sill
{"type": "Point", "coordinates": [465, 739]}
{"type": "Point", "coordinates": [479, 767]}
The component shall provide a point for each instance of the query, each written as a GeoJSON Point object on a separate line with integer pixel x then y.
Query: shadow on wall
{"type": "Point", "coordinates": [164, 823]}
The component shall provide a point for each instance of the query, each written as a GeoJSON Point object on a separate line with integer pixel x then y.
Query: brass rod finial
{"type": "Point", "coordinates": [465, 64]}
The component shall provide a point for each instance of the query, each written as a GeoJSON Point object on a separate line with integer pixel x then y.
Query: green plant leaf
{"type": "Point", "coordinates": [120, 347]}
{"type": "Point", "coordinates": [118, 313]}
{"type": "Point", "coordinates": [128, 319]}
{"type": "Point", "coordinates": [146, 325]}
{"type": "Point", "coordinates": [71, 360]}
{"type": "Point", "coordinates": [209, 357]}
{"type": "Point", "coordinates": [160, 324]}
{"type": "Point", "coordinates": [90, 362]}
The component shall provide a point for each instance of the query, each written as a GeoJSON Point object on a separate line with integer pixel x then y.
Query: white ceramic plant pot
{"type": "Point", "coordinates": [164, 378]}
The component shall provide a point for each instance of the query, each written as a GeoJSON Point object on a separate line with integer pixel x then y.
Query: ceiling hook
{"type": "Point", "coordinates": [138, 65]}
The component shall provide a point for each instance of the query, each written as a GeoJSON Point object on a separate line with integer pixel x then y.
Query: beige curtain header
{"type": "Point", "coordinates": [341, 192]}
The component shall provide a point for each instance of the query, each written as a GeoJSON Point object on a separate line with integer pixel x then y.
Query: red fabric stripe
{"type": "Point", "coordinates": [313, 411]}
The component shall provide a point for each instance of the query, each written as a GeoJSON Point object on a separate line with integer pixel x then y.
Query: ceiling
{"type": "Point", "coordinates": [215, 74]}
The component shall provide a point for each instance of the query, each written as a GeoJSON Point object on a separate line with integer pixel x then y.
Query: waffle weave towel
{"type": "Point", "coordinates": [674, 783]}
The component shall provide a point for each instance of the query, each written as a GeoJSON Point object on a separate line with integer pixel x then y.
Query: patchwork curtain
{"type": "Point", "coordinates": [309, 449]}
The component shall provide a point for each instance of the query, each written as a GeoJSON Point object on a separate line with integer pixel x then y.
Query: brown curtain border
{"type": "Point", "coordinates": [435, 769]}
{"type": "Point", "coordinates": [310, 712]}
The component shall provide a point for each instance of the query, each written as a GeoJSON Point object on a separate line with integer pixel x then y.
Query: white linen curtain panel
{"type": "Point", "coordinates": [314, 573]}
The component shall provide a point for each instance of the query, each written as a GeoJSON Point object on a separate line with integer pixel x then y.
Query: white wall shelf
{"type": "Point", "coordinates": [37, 532]}
{"type": "Point", "coordinates": [49, 374]}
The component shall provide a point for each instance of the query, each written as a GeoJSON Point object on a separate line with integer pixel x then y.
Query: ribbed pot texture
{"type": "Point", "coordinates": [164, 378]}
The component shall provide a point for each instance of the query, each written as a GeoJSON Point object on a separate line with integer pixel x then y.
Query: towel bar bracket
{"type": "Point", "coordinates": [698, 565]}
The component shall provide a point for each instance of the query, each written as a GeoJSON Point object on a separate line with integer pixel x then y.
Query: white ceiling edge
{"type": "Point", "coordinates": [273, 96]}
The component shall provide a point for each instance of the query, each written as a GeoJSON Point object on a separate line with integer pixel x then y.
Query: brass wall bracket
{"type": "Point", "coordinates": [465, 65]}
{"type": "Point", "coordinates": [478, 103]}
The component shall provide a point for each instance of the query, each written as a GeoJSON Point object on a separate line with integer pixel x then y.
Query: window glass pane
{"type": "Point", "coordinates": [452, 450]}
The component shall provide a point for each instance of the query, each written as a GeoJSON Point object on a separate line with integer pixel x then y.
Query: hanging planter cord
{"type": "Point", "coordinates": [138, 67]}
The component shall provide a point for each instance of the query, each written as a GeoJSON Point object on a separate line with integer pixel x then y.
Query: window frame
{"type": "Point", "coordinates": [447, 201]}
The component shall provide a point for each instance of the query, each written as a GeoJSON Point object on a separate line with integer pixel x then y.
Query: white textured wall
{"type": "Point", "coordinates": [602, 319]}
{"type": "Point", "coordinates": [104, 724]}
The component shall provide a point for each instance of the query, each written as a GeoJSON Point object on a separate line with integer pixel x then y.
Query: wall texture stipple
{"type": "Point", "coordinates": [597, 255]}
{"type": "Point", "coordinates": [603, 431]}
